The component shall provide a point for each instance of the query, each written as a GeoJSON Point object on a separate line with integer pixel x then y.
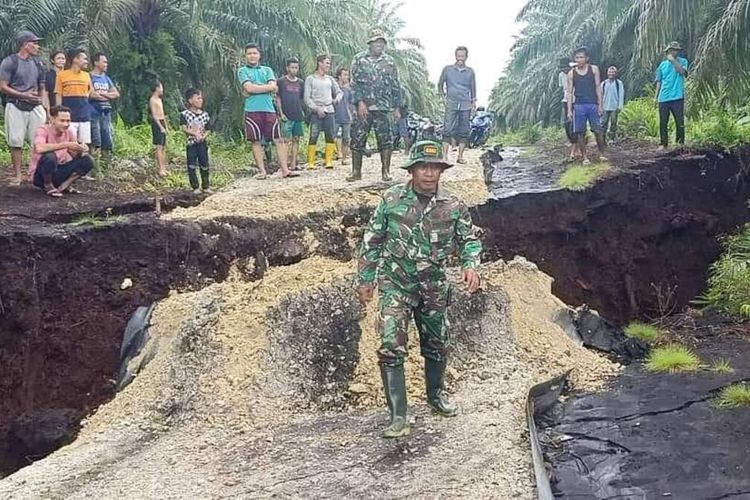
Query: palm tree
{"type": "Point", "coordinates": [630, 34]}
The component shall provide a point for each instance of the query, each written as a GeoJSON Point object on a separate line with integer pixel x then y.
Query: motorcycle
{"type": "Point", "coordinates": [423, 129]}
{"type": "Point", "coordinates": [481, 125]}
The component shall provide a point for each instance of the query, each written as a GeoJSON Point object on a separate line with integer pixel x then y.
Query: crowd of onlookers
{"type": "Point", "coordinates": [588, 98]}
{"type": "Point", "coordinates": [65, 112]}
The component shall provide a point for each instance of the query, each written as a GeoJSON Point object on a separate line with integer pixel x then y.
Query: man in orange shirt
{"type": "Point", "coordinates": [73, 89]}
{"type": "Point", "coordinates": [57, 159]}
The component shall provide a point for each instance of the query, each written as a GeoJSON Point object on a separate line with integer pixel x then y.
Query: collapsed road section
{"type": "Point", "coordinates": [264, 362]}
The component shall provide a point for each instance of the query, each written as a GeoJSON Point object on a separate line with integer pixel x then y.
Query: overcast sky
{"type": "Point", "coordinates": [485, 27]}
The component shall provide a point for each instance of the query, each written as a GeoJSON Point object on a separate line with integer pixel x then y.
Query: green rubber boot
{"type": "Point", "coordinates": [394, 383]}
{"type": "Point", "coordinates": [356, 174]}
{"type": "Point", "coordinates": [434, 371]}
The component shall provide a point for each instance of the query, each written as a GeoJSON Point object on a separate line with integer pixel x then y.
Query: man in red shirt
{"type": "Point", "coordinates": [57, 160]}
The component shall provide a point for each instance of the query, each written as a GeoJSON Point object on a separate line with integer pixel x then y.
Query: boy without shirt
{"type": "Point", "coordinates": [158, 126]}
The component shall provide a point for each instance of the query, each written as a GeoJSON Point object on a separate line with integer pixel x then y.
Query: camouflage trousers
{"type": "Point", "coordinates": [377, 121]}
{"type": "Point", "coordinates": [396, 309]}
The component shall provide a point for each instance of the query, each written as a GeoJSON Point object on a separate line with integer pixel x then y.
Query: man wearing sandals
{"type": "Point", "coordinates": [57, 160]}
{"type": "Point", "coordinates": [261, 121]}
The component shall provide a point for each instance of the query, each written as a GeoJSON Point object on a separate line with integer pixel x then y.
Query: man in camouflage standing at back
{"type": "Point", "coordinates": [413, 231]}
{"type": "Point", "coordinates": [376, 93]}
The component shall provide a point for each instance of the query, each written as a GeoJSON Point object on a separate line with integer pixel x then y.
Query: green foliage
{"type": "Point", "coordinates": [729, 278]}
{"type": "Point", "coordinates": [641, 331]}
{"type": "Point", "coordinates": [92, 220]}
{"type": "Point", "coordinates": [581, 177]}
{"type": "Point", "coordinates": [722, 366]}
{"type": "Point", "coordinates": [630, 34]}
{"type": "Point", "coordinates": [734, 396]}
{"type": "Point", "coordinates": [719, 129]}
{"type": "Point", "coordinates": [671, 359]}
{"type": "Point", "coordinates": [640, 119]}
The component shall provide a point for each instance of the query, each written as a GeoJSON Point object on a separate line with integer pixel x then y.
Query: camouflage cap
{"type": "Point", "coordinates": [377, 34]}
{"type": "Point", "coordinates": [673, 46]}
{"type": "Point", "coordinates": [427, 152]}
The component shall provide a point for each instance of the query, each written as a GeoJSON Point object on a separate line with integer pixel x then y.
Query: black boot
{"type": "Point", "coordinates": [385, 161]}
{"type": "Point", "coordinates": [394, 383]}
{"type": "Point", "coordinates": [356, 167]}
{"type": "Point", "coordinates": [434, 371]}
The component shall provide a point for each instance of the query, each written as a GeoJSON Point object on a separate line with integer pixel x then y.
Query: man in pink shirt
{"type": "Point", "coordinates": [57, 160]}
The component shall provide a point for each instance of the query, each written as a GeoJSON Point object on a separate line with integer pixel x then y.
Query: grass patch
{"type": "Point", "coordinates": [671, 359]}
{"type": "Point", "coordinates": [722, 366]}
{"type": "Point", "coordinates": [92, 220]}
{"type": "Point", "coordinates": [644, 332]}
{"type": "Point", "coordinates": [734, 396]}
{"type": "Point", "coordinates": [729, 279]}
{"type": "Point", "coordinates": [581, 177]}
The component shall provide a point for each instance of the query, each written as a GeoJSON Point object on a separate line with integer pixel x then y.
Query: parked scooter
{"type": "Point", "coordinates": [481, 126]}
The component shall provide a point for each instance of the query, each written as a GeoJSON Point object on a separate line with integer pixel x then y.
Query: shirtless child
{"type": "Point", "coordinates": [158, 126]}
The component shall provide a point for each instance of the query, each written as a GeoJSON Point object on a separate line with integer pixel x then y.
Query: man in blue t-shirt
{"type": "Point", "coordinates": [670, 93]}
{"type": "Point", "coordinates": [261, 121]}
{"type": "Point", "coordinates": [104, 92]}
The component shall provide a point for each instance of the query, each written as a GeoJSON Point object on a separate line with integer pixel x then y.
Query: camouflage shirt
{"type": "Point", "coordinates": [409, 246]}
{"type": "Point", "coordinates": [375, 81]}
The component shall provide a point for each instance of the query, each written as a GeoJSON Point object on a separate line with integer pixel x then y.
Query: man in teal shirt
{"type": "Point", "coordinates": [261, 122]}
{"type": "Point", "coordinates": [670, 93]}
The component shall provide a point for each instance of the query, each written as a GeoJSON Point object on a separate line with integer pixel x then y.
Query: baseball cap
{"type": "Point", "coordinates": [26, 36]}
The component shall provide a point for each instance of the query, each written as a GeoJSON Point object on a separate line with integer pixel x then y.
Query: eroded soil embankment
{"type": "Point", "coordinates": [637, 244]}
{"type": "Point", "coordinates": [62, 312]}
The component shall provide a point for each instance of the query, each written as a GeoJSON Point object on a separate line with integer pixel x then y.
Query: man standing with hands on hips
{"type": "Point", "coordinates": [413, 231]}
{"type": "Point", "coordinates": [377, 94]}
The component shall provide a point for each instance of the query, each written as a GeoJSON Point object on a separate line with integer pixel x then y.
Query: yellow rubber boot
{"type": "Point", "coordinates": [312, 152]}
{"type": "Point", "coordinates": [330, 149]}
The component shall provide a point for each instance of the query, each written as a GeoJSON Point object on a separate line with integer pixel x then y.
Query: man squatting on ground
{"type": "Point", "coordinates": [458, 86]}
{"type": "Point", "coordinates": [377, 93]}
{"type": "Point", "coordinates": [414, 229]}
{"type": "Point", "coordinates": [57, 158]}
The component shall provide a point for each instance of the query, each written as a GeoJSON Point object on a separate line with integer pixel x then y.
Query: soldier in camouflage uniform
{"type": "Point", "coordinates": [376, 93]}
{"type": "Point", "coordinates": [413, 231]}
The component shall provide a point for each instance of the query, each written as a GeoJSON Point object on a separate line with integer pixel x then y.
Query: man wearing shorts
{"type": "Point", "coordinates": [261, 123]}
{"type": "Point", "coordinates": [458, 86]}
{"type": "Point", "coordinates": [289, 107]}
{"type": "Point", "coordinates": [73, 88]}
{"type": "Point", "coordinates": [22, 82]}
{"type": "Point", "coordinates": [584, 85]}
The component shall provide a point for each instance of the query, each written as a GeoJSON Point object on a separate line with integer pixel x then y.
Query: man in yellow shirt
{"type": "Point", "coordinates": [73, 88]}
